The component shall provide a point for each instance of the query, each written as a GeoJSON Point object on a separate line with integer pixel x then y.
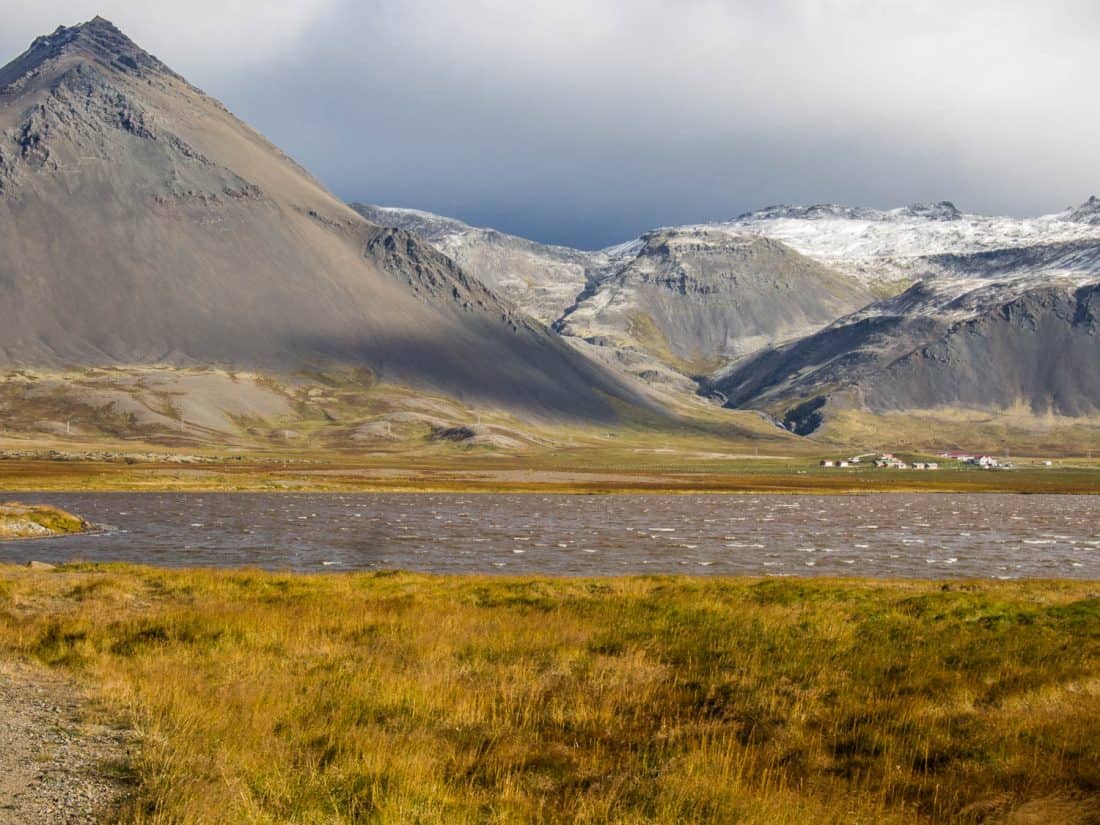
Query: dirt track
{"type": "Point", "coordinates": [56, 767]}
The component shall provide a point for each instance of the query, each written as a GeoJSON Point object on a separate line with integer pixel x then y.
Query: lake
{"type": "Point", "coordinates": [884, 535]}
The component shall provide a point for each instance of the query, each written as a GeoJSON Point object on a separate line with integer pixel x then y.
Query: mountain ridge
{"type": "Point", "coordinates": [664, 307]}
{"type": "Point", "coordinates": [947, 277]}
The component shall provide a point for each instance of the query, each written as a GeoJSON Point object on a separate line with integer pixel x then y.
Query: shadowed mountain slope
{"type": "Point", "coordinates": [1025, 346]}
{"type": "Point", "coordinates": [142, 223]}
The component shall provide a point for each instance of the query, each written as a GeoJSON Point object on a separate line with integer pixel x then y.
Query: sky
{"type": "Point", "coordinates": [586, 122]}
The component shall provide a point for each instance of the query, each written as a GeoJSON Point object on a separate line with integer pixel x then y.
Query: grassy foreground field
{"type": "Point", "coordinates": [401, 698]}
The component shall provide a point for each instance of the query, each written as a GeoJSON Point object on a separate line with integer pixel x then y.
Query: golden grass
{"type": "Point", "coordinates": [400, 698]}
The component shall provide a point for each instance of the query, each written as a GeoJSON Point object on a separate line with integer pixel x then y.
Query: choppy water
{"type": "Point", "coordinates": [891, 535]}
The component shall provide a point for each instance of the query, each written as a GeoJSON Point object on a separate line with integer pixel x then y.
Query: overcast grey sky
{"type": "Point", "coordinates": [588, 121]}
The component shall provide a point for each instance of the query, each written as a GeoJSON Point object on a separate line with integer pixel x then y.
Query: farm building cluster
{"type": "Point", "coordinates": [986, 462]}
{"type": "Point", "coordinates": [892, 462]}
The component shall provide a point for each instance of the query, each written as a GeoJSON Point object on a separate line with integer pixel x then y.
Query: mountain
{"type": "Point", "coordinates": [808, 313]}
{"type": "Point", "coordinates": [998, 328]}
{"type": "Point", "coordinates": [1037, 348]}
{"type": "Point", "coordinates": [142, 223]}
{"type": "Point", "coordinates": [696, 297]}
{"type": "Point", "coordinates": [673, 304]}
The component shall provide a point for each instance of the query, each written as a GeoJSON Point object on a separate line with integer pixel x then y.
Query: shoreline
{"type": "Point", "coordinates": [946, 585]}
{"type": "Point", "coordinates": [548, 490]}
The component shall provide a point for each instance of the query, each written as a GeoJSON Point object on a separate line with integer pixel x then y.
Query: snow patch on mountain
{"type": "Point", "coordinates": [900, 245]}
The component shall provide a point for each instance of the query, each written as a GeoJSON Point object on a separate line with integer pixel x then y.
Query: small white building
{"type": "Point", "coordinates": [888, 460]}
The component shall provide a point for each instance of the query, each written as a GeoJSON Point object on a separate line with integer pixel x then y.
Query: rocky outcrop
{"type": "Point", "coordinates": [21, 521]}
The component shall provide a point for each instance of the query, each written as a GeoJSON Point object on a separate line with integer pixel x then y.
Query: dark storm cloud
{"type": "Point", "coordinates": [587, 122]}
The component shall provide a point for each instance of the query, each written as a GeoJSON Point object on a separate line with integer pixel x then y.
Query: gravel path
{"type": "Point", "coordinates": [56, 767]}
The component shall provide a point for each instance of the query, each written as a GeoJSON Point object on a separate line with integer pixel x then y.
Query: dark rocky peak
{"type": "Point", "coordinates": [97, 40]}
{"type": "Point", "coordinates": [942, 211]}
{"type": "Point", "coordinates": [1088, 212]}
